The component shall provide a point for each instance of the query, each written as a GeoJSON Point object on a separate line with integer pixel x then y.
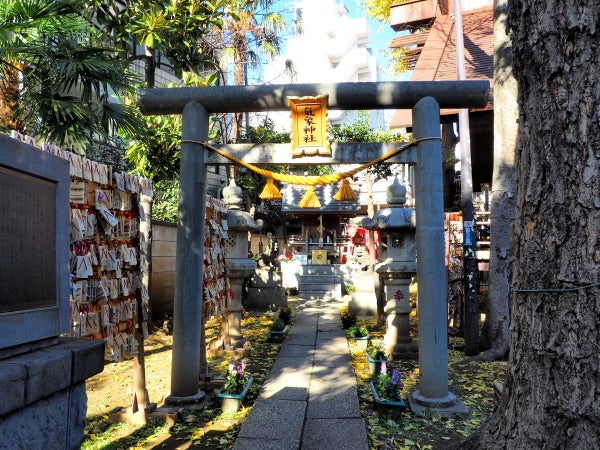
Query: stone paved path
{"type": "Point", "coordinates": [309, 400]}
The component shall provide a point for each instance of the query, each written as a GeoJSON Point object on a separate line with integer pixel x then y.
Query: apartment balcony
{"type": "Point", "coordinates": [354, 34]}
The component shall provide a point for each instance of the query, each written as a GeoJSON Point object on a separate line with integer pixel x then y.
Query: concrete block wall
{"type": "Point", "coordinates": [162, 279]}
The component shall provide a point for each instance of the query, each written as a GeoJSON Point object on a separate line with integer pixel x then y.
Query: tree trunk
{"type": "Point", "coordinates": [451, 200]}
{"type": "Point", "coordinates": [504, 188]}
{"type": "Point", "coordinates": [552, 395]}
{"type": "Point", "coordinates": [9, 99]}
{"type": "Point", "coordinates": [239, 68]}
{"type": "Point", "coordinates": [149, 67]}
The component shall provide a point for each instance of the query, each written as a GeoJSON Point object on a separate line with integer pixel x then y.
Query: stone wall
{"type": "Point", "coordinates": [265, 291]}
{"type": "Point", "coordinates": [44, 401]}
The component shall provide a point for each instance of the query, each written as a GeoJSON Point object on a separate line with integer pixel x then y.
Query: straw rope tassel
{"type": "Point", "coordinates": [345, 193]}
{"type": "Point", "coordinates": [310, 199]}
{"type": "Point", "coordinates": [270, 191]}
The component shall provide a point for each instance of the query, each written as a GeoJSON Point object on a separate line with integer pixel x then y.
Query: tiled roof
{"type": "Point", "coordinates": [478, 48]}
{"type": "Point", "coordinates": [437, 60]}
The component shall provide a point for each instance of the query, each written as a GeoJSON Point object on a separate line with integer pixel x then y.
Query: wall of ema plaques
{"type": "Point", "coordinates": [106, 292]}
{"type": "Point", "coordinates": [106, 261]}
{"type": "Point", "coordinates": [216, 239]}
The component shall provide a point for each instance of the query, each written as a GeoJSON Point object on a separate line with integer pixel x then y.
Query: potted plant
{"type": "Point", "coordinates": [291, 291]}
{"type": "Point", "coordinates": [277, 331]}
{"type": "Point", "coordinates": [360, 334]}
{"type": "Point", "coordinates": [350, 288]}
{"type": "Point", "coordinates": [287, 258]}
{"type": "Point", "coordinates": [348, 318]}
{"type": "Point", "coordinates": [387, 392]}
{"type": "Point", "coordinates": [236, 386]}
{"type": "Point", "coordinates": [285, 314]}
{"type": "Point", "coordinates": [375, 356]}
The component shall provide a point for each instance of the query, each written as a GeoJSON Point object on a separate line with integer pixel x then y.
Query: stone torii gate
{"type": "Point", "coordinates": [424, 98]}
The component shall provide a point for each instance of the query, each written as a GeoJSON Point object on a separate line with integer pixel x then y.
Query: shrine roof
{"type": "Point", "coordinates": [292, 194]}
{"type": "Point", "coordinates": [437, 59]}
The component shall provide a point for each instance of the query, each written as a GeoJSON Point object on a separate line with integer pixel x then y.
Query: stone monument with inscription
{"type": "Point", "coordinates": [42, 375]}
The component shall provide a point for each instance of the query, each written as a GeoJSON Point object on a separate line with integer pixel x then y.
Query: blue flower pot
{"type": "Point", "coordinates": [232, 402]}
{"type": "Point", "coordinates": [277, 336]}
{"type": "Point", "coordinates": [362, 342]}
{"type": "Point", "coordinates": [386, 407]}
{"type": "Point", "coordinates": [374, 364]}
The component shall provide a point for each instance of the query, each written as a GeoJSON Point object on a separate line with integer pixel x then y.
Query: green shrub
{"type": "Point", "coordinates": [285, 314]}
{"type": "Point", "coordinates": [375, 350]}
{"type": "Point", "coordinates": [277, 325]}
{"type": "Point", "coordinates": [356, 331]}
{"type": "Point", "coordinates": [348, 317]}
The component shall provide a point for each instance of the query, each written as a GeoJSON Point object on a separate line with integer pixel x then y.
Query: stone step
{"type": "Point", "coordinates": [322, 281]}
{"type": "Point", "coordinates": [319, 269]}
{"type": "Point", "coordinates": [326, 294]}
{"type": "Point", "coordinates": [319, 296]}
{"type": "Point", "coordinates": [320, 290]}
{"type": "Point", "coordinates": [309, 279]}
{"type": "Point", "coordinates": [317, 286]}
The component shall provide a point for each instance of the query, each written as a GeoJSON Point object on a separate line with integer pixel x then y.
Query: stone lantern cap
{"type": "Point", "coordinates": [237, 219]}
{"type": "Point", "coordinates": [395, 216]}
{"type": "Point", "coordinates": [242, 221]}
{"type": "Point", "coordinates": [398, 225]}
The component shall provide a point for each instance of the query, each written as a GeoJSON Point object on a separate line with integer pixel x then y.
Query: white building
{"type": "Point", "coordinates": [327, 46]}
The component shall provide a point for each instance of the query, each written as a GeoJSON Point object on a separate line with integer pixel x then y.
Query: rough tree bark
{"type": "Point", "coordinates": [552, 395]}
{"type": "Point", "coordinates": [239, 67]}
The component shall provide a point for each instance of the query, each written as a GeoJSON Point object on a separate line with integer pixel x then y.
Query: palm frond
{"type": "Point", "coordinates": [20, 19]}
{"type": "Point", "coordinates": [124, 118]}
{"type": "Point", "coordinates": [274, 23]}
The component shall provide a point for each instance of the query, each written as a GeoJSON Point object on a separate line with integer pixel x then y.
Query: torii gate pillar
{"type": "Point", "coordinates": [431, 270]}
{"type": "Point", "coordinates": [187, 308]}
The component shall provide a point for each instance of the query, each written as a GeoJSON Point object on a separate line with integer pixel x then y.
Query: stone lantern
{"type": "Point", "coordinates": [396, 267]}
{"type": "Point", "coordinates": [239, 266]}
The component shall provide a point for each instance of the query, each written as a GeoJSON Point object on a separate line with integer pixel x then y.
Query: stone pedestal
{"type": "Point", "coordinates": [238, 269]}
{"type": "Point", "coordinates": [398, 342]}
{"type": "Point", "coordinates": [265, 291]}
{"type": "Point", "coordinates": [44, 401]}
{"type": "Point", "coordinates": [364, 298]}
